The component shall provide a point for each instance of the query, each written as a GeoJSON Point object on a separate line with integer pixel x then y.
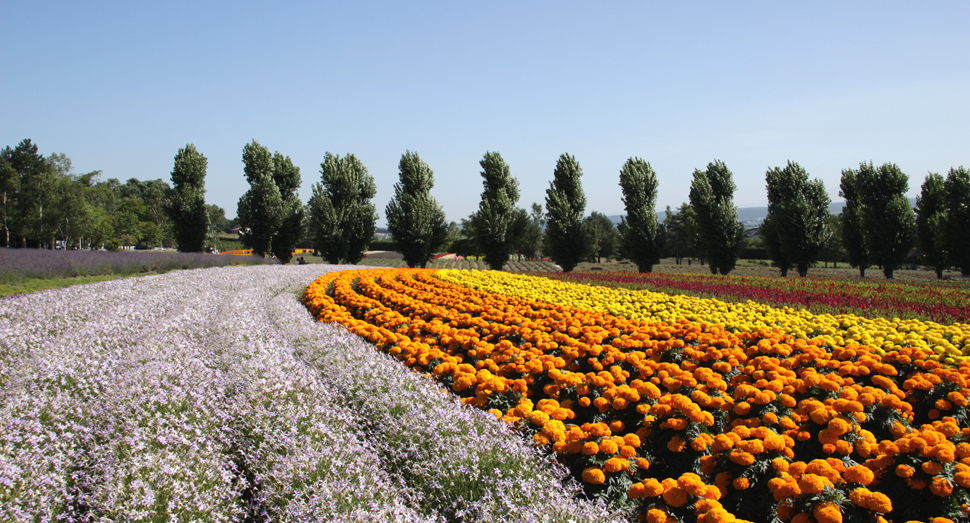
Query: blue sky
{"type": "Point", "coordinates": [120, 86]}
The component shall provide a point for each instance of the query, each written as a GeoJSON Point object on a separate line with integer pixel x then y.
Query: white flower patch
{"type": "Point", "coordinates": [212, 395]}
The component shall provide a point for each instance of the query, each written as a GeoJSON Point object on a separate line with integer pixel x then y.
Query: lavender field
{"type": "Point", "coordinates": [212, 395]}
{"type": "Point", "coordinates": [17, 264]}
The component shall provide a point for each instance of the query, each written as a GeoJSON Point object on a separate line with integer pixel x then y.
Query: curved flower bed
{"type": "Point", "coordinates": [683, 421]}
{"type": "Point", "coordinates": [948, 343]}
{"type": "Point", "coordinates": [212, 395]}
{"type": "Point", "coordinates": [936, 302]}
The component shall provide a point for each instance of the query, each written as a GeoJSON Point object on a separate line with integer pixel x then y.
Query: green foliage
{"type": "Point", "coordinates": [958, 218]}
{"type": "Point", "coordinates": [286, 177]}
{"type": "Point", "coordinates": [186, 204]}
{"type": "Point", "coordinates": [528, 226]}
{"type": "Point", "coordinates": [414, 218]}
{"type": "Point", "coordinates": [567, 241]}
{"type": "Point", "coordinates": [887, 218]}
{"type": "Point", "coordinates": [603, 235]}
{"type": "Point", "coordinates": [931, 223]}
{"type": "Point", "coordinates": [493, 224]}
{"type": "Point", "coordinates": [853, 234]}
{"type": "Point", "coordinates": [681, 232]}
{"type": "Point", "coordinates": [261, 208]}
{"type": "Point", "coordinates": [795, 229]}
{"type": "Point", "coordinates": [642, 239]}
{"type": "Point", "coordinates": [342, 218]}
{"type": "Point", "coordinates": [721, 235]}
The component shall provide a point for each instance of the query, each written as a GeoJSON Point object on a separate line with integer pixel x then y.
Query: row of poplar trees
{"type": "Point", "coordinates": [877, 225]}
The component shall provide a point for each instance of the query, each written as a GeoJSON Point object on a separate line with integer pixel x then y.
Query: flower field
{"type": "Point", "coordinates": [211, 395]}
{"type": "Point", "coordinates": [943, 302]}
{"type": "Point", "coordinates": [686, 409]}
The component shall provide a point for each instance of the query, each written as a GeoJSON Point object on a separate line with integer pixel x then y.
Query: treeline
{"type": "Point", "coordinates": [45, 204]}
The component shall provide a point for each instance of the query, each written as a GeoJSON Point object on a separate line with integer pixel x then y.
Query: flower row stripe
{"type": "Point", "coordinates": [947, 343]}
{"type": "Point", "coordinates": [685, 419]}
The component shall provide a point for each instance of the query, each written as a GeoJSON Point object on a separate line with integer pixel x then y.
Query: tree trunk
{"type": "Point", "coordinates": [784, 272]}
{"type": "Point", "coordinates": [862, 272]}
{"type": "Point", "coordinates": [802, 271]}
{"type": "Point", "coordinates": [888, 272]}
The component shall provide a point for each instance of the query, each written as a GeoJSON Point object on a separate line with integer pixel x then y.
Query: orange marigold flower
{"type": "Point", "coordinates": [675, 497]}
{"type": "Point", "coordinates": [741, 457]}
{"type": "Point", "coordinates": [827, 513]}
{"type": "Point", "coordinates": [839, 426]}
{"type": "Point", "coordinates": [627, 451]}
{"type": "Point", "coordinates": [615, 465]}
{"type": "Point", "coordinates": [941, 487]}
{"type": "Point", "coordinates": [931, 467]}
{"type": "Point", "coordinates": [594, 475]}
{"type": "Point", "coordinates": [652, 488]}
{"type": "Point", "coordinates": [636, 491]}
{"type": "Point", "coordinates": [608, 446]}
{"type": "Point", "coordinates": [656, 515]}
{"type": "Point", "coordinates": [691, 483]}
{"type": "Point", "coordinates": [590, 448]}
{"type": "Point", "coordinates": [741, 483]}
{"type": "Point", "coordinates": [676, 444]}
{"type": "Point", "coordinates": [812, 483]}
{"type": "Point", "coordinates": [859, 474]}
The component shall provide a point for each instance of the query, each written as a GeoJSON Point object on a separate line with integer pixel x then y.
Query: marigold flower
{"type": "Point", "coordinates": [931, 467]}
{"type": "Point", "coordinates": [594, 475]}
{"type": "Point", "coordinates": [675, 497]}
{"type": "Point", "coordinates": [741, 457]}
{"type": "Point", "coordinates": [827, 513]}
{"type": "Point", "coordinates": [813, 483]}
{"type": "Point", "coordinates": [941, 487]}
{"type": "Point", "coordinates": [656, 515]}
{"type": "Point", "coordinates": [590, 448]}
{"type": "Point", "coordinates": [614, 465]}
{"type": "Point", "coordinates": [859, 474]}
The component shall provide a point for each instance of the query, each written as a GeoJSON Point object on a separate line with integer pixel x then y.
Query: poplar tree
{"type": "Point", "coordinates": [888, 219]}
{"type": "Point", "coordinates": [958, 218]}
{"type": "Point", "coordinates": [342, 217]}
{"type": "Point", "coordinates": [186, 203]}
{"type": "Point", "coordinates": [567, 241]}
{"type": "Point", "coordinates": [851, 220]}
{"type": "Point", "coordinates": [286, 176]}
{"type": "Point", "coordinates": [493, 223]}
{"type": "Point", "coordinates": [721, 234]}
{"type": "Point", "coordinates": [261, 207]}
{"type": "Point", "coordinates": [415, 219]}
{"type": "Point", "coordinates": [642, 241]}
{"type": "Point", "coordinates": [794, 230]}
{"type": "Point", "coordinates": [931, 207]}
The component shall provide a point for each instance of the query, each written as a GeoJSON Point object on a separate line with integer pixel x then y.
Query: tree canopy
{"type": "Point", "coordinates": [342, 217]}
{"type": "Point", "coordinates": [795, 229]}
{"type": "Point", "coordinates": [721, 234]}
{"type": "Point", "coordinates": [642, 239]}
{"type": "Point", "coordinates": [414, 218]}
{"type": "Point", "coordinates": [494, 222]}
{"type": "Point", "coordinates": [567, 241]}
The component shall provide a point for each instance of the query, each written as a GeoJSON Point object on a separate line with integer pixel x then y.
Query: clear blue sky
{"type": "Point", "coordinates": [120, 86]}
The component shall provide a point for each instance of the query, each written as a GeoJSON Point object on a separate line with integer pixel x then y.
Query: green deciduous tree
{"type": "Point", "coordinates": [795, 229]}
{"type": "Point", "coordinates": [35, 191]}
{"type": "Point", "coordinates": [887, 217]}
{"type": "Point", "coordinates": [286, 176]}
{"type": "Point", "coordinates": [931, 223]}
{"type": "Point", "coordinates": [958, 218]}
{"type": "Point", "coordinates": [493, 225]}
{"type": "Point", "coordinates": [261, 208]}
{"type": "Point", "coordinates": [415, 219]}
{"type": "Point", "coordinates": [721, 235]}
{"type": "Point", "coordinates": [186, 204]}
{"type": "Point", "coordinates": [681, 232]}
{"type": "Point", "coordinates": [9, 184]}
{"type": "Point", "coordinates": [642, 239]}
{"type": "Point", "coordinates": [567, 241]}
{"type": "Point", "coordinates": [851, 221]}
{"type": "Point", "coordinates": [603, 236]}
{"type": "Point", "coordinates": [342, 217]}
